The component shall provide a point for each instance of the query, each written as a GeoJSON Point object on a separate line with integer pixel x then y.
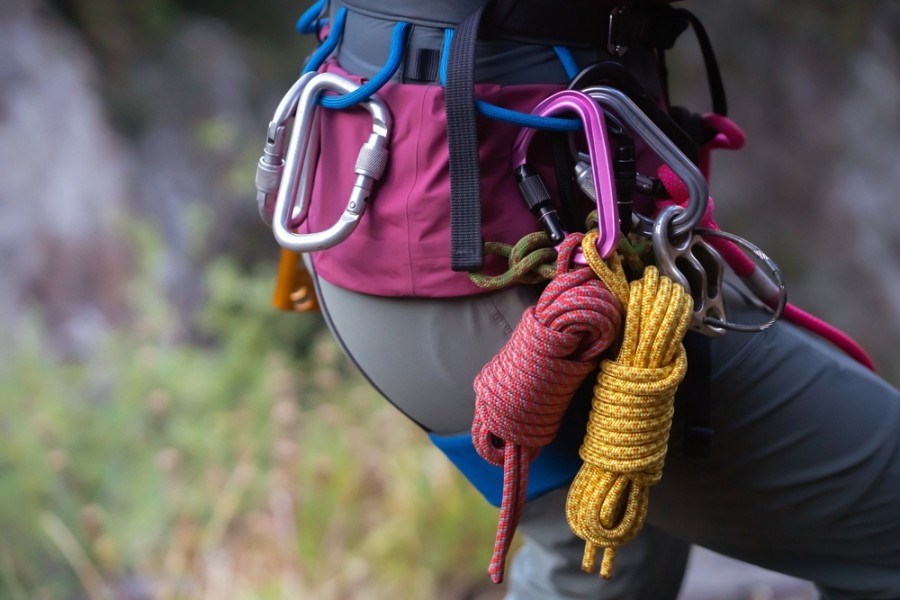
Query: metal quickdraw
{"type": "Point", "coordinates": [293, 188]}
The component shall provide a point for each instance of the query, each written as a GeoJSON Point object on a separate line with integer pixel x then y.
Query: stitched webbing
{"type": "Point", "coordinates": [462, 138]}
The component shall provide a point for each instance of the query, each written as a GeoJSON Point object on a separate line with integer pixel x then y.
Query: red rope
{"type": "Point", "coordinates": [522, 395]}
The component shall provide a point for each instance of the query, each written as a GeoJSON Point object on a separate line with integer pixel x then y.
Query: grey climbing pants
{"type": "Point", "coordinates": [803, 476]}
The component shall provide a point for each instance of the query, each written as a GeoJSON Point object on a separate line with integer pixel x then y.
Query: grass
{"type": "Point", "coordinates": [256, 464]}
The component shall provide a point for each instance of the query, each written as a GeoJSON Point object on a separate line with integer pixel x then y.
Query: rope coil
{"type": "Point", "coordinates": [522, 394]}
{"type": "Point", "coordinates": [631, 415]}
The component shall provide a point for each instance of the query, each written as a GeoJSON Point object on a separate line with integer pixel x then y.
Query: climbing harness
{"type": "Point", "coordinates": [620, 293]}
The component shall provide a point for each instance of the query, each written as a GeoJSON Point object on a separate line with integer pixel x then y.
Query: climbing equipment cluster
{"type": "Point", "coordinates": [631, 260]}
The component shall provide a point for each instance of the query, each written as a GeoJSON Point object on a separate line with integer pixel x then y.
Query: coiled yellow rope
{"type": "Point", "coordinates": [631, 414]}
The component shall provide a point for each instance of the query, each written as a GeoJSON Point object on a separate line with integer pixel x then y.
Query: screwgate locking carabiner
{"type": "Point", "coordinates": [370, 164]}
{"type": "Point", "coordinates": [699, 268]}
{"type": "Point", "coordinates": [533, 189]}
{"type": "Point", "coordinates": [271, 164]}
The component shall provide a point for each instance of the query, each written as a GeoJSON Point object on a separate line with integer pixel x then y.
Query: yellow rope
{"type": "Point", "coordinates": [628, 429]}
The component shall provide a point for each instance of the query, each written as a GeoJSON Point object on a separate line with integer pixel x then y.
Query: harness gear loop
{"type": "Point", "coordinates": [631, 414]}
{"type": "Point", "coordinates": [522, 394]}
{"type": "Point", "coordinates": [369, 167]}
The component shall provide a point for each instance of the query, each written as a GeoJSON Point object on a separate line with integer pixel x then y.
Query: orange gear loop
{"type": "Point", "coordinates": [631, 413]}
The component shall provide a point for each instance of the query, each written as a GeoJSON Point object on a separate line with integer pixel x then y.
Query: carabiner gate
{"type": "Point", "coordinates": [591, 116]}
{"type": "Point", "coordinates": [270, 168]}
{"type": "Point", "coordinates": [290, 206]}
{"type": "Point", "coordinates": [641, 125]}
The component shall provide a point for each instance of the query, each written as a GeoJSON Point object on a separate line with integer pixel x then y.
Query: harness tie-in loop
{"type": "Point", "coordinates": [522, 394]}
{"type": "Point", "coordinates": [631, 415]}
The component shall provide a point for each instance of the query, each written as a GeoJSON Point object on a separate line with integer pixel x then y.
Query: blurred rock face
{"type": "Point", "coordinates": [96, 138]}
{"type": "Point", "coordinates": [815, 84]}
{"type": "Point", "coordinates": [63, 188]}
{"type": "Point", "coordinates": [817, 87]}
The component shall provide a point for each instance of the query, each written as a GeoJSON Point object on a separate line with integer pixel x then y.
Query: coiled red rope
{"type": "Point", "coordinates": [522, 395]}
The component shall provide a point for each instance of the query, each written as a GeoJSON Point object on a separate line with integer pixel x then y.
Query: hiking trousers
{"type": "Point", "coordinates": [803, 476]}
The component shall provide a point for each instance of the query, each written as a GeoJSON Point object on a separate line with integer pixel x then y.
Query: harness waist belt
{"type": "Point", "coordinates": [584, 23]}
{"type": "Point", "coordinates": [575, 23]}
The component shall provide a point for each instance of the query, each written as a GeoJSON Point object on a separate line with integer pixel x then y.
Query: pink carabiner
{"type": "Point", "coordinates": [591, 115]}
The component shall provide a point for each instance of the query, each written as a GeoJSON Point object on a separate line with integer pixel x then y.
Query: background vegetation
{"type": "Point", "coordinates": [164, 433]}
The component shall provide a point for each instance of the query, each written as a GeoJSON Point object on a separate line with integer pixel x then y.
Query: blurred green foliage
{"type": "Point", "coordinates": [255, 455]}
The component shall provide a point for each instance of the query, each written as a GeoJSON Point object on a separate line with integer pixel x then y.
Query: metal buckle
{"type": "Point", "coordinates": [615, 49]}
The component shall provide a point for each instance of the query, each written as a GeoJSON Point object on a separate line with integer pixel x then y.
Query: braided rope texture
{"type": "Point", "coordinates": [531, 260]}
{"type": "Point", "coordinates": [631, 416]}
{"type": "Point", "coordinates": [522, 394]}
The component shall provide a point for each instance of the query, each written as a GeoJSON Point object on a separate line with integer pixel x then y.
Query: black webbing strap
{"type": "Point", "coordinates": [713, 74]}
{"type": "Point", "coordinates": [695, 397]}
{"type": "Point", "coordinates": [422, 65]}
{"type": "Point", "coordinates": [466, 252]}
{"type": "Point", "coordinates": [692, 123]}
{"type": "Point", "coordinates": [656, 27]}
{"type": "Point", "coordinates": [583, 23]}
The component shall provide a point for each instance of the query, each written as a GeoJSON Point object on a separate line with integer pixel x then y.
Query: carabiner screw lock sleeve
{"type": "Point", "coordinates": [291, 201]}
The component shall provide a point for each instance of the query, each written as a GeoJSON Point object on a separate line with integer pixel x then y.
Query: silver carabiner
{"type": "Point", "coordinates": [622, 106]}
{"type": "Point", "coordinates": [369, 167]}
{"type": "Point", "coordinates": [271, 164]}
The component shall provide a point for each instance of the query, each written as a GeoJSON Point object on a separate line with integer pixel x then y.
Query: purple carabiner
{"type": "Point", "coordinates": [591, 115]}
